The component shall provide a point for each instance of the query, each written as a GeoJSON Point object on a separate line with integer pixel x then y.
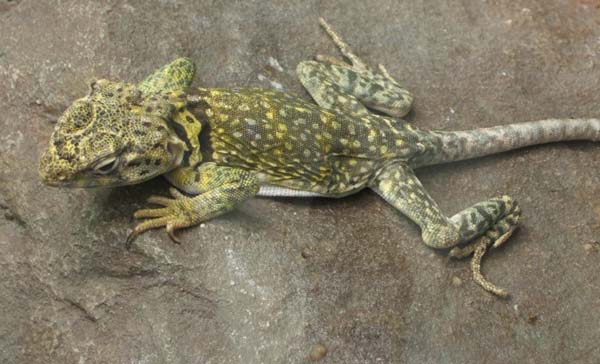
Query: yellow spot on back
{"type": "Point", "coordinates": [301, 109]}
{"type": "Point", "coordinates": [351, 129]}
{"type": "Point", "coordinates": [371, 135]}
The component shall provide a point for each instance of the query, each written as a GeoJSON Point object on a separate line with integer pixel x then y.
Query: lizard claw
{"type": "Point", "coordinates": [171, 232]}
{"type": "Point", "coordinates": [130, 238]}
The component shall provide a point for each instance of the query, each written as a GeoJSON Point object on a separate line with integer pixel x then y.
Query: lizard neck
{"type": "Point", "coordinates": [198, 105]}
{"type": "Point", "coordinates": [186, 123]}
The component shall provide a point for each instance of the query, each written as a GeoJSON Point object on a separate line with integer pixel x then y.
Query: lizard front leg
{"type": "Point", "coordinates": [217, 190]}
{"type": "Point", "coordinates": [486, 223]}
{"type": "Point", "coordinates": [176, 75]}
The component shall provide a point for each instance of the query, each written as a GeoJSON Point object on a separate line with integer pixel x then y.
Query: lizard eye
{"type": "Point", "coordinates": [106, 166]}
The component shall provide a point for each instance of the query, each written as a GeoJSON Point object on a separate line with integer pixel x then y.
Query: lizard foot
{"type": "Point", "coordinates": [494, 237]}
{"type": "Point", "coordinates": [175, 214]}
{"type": "Point", "coordinates": [357, 64]}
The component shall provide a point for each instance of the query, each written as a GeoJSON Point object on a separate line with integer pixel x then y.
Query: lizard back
{"type": "Point", "coordinates": [293, 143]}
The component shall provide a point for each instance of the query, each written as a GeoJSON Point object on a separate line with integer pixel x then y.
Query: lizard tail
{"type": "Point", "coordinates": [459, 145]}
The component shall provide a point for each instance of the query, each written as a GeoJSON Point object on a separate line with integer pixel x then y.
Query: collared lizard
{"type": "Point", "coordinates": [221, 147]}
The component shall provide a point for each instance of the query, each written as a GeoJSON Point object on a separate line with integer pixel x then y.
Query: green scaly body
{"type": "Point", "coordinates": [295, 144]}
{"type": "Point", "coordinates": [223, 147]}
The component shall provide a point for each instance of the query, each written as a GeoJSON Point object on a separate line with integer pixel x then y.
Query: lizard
{"type": "Point", "coordinates": [220, 147]}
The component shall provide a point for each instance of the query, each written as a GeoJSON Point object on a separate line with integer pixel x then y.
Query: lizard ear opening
{"type": "Point", "coordinates": [176, 149]}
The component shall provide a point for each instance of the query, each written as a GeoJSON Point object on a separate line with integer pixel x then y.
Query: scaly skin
{"type": "Point", "coordinates": [222, 147]}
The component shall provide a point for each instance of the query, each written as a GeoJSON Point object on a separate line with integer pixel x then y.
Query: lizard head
{"type": "Point", "coordinates": [116, 135]}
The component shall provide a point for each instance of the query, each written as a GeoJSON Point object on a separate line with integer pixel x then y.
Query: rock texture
{"type": "Point", "coordinates": [323, 281]}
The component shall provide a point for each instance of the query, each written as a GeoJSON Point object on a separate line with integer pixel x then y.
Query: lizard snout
{"type": "Point", "coordinates": [54, 172]}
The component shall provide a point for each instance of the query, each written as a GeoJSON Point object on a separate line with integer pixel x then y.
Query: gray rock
{"type": "Point", "coordinates": [282, 281]}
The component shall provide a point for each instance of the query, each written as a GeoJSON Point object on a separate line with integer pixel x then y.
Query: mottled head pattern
{"type": "Point", "coordinates": [116, 135]}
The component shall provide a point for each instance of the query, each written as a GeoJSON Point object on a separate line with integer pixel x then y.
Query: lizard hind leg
{"type": "Point", "coordinates": [470, 231]}
{"type": "Point", "coordinates": [348, 88]}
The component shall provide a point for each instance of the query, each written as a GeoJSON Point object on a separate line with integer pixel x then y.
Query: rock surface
{"type": "Point", "coordinates": [283, 281]}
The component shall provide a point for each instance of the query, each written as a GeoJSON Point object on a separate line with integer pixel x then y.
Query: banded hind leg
{"type": "Point", "coordinates": [348, 88]}
{"type": "Point", "coordinates": [471, 231]}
